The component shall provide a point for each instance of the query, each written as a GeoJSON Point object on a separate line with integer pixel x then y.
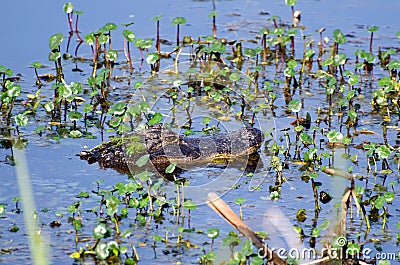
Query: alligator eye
{"type": "Point", "coordinates": [170, 138]}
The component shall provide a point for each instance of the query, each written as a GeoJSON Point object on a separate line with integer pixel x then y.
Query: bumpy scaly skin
{"type": "Point", "coordinates": [165, 147]}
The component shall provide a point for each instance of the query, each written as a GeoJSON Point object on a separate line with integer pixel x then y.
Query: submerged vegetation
{"type": "Point", "coordinates": [324, 112]}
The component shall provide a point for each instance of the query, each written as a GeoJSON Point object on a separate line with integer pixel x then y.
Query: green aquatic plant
{"type": "Point", "coordinates": [177, 21]}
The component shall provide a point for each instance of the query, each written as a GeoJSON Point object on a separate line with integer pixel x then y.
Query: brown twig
{"type": "Point", "coordinates": [220, 207]}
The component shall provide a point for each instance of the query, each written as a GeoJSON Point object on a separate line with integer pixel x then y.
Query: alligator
{"type": "Point", "coordinates": [164, 147]}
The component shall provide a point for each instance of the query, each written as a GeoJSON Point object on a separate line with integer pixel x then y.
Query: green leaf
{"type": "Point", "coordinates": [294, 105]}
{"type": "Point", "coordinates": [118, 108]}
{"type": "Point", "coordinates": [5, 70]}
{"type": "Point", "coordinates": [36, 65]}
{"type": "Point", "coordinates": [13, 90]}
{"type": "Point", "coordinates": [324, 225]}
{"type": "Point", "coordinates": [231, 241]}
{"type": "Point", "coordinates": [389, 196]}
{"type": "Point", "coordinates": [358, 189]}
{"type": "Point", "coordinates": [157, 18]}
{"type": "Point", "coordinates": [77, 224]}
{"type": "Point", "coordinates": [393, 64]}
{"type": "Point", "coordinates": [383, 152]}
{"type": "Point", "coordinates": [373, 29]}
{"type": "Point", "coordinates": [234, 77]}
{"type": "Point", "coordinates": [74, 115]}
{"type": "Point", "coordinates": [290, 2]}
{"type": "Point", "coordinates": [100, 231]}
{"type": "Point", "coordinates": [178, 21]}
{"type": "Point", "coordinates": [68, 7]}
{"type": "Point", "coordinates": [2, 209]}
{"type": "Point", "coordinates": [112, 204]}
{"type": "Point", "coordinates": [90, 39]}
{"type": "Point", "coordinates": [170, 168]}
{"type": "Point", "coordinates": [306, 138]}
{"type": "Point", "coordinates": [128, 35]}
{"type": "Point", "coordinates": [378, 202]}
{"type": "Point", "coordinates": [249, 52]}
{"type": "Point", "coordinates": [206, 120]}
{"type": "Point", "coordinates": [75, 134]}
{"type": "Point", "coordinates": [310, 53]}
{"type": "Point", "coordinates": [339, 37]}
{"type": "Point", "coordinates": [247, 248]}
{"type": "Point", "coordinates": [156, 119]}
{"type": "Point", "coordinates": [55, 41]}
{"type": "Point", "coordinates": [102, 250]}
{"type": "Point", "coordinates": [152, 58]}
{"type": "Point", "coordinates": [143, 160]}
{"type": "Point", "coordinates": [339, 59]}
{"type": "Point", "coordinates": [112, 55]}
{"type": "Point", "coordinates": [103, 39]}
{"type": "Point", "coordinates": [315, 232]}
{"type": "Point", "coordinates": [213, 14]}
{"type": "Point", "coordinates": [189, 204]}
{"type": "Point", "coordinates": [292, 63]}
{"type": "Point", "coordinates": [213, 233]}
{"type": "Point", "coordinates": [49, 106]}
{"type": "Point", "coordinates": [335, 136]}
{"type": "Point", "coordinates": [21, 120]}
{"type": "Point", "coordinates": [353, 249]}
{"type": "Point", "coordinates": [157, 238]}
{"type": "Point", "coordinates": [53, 56]}
{"type": "Point", "coordinates": [110, 27]}
{"type": "Point", "coordinates": [240, 201]}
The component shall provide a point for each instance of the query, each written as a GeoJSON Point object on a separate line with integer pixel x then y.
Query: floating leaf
{"type": "Point", "coordinates": [339, 37]}
{"type": "Point", "coordinates": [102, 250]}
{"type": "Point", "coordinates": [68, 7]}
{"type": "Point", "coordinates": [156, 119]}
{"type": "Point", "coordinates": [157, 18]}
{"type": "Point", "coordinates": [55, 41]}
{"type": "Point", "coordinates": [109, 27]}
{"type": "Point", "coordinates": [53, 56]}
{"type": "Point", "coordinates": [75, 134]}
{"type": "Point", "coordinates": [294, 105]}
{"type": "Point", "coordinates": [335, 136]}
{"type": "Point", "coordinates": [90, 39]}
{"type": "Point", "coordinates": [249, 52]}
{"type": "Point", "coordinates": [213, 233]}
{"type": "Point", "coordinates": [100, 231]}
{"type": "Point", "coordinates": [143, 160]}
{"type": "Point", "coordinates": [77, 224]}
{"type": "Point", "coordinates": [128, 35]}
{"type": "Point", "coordinates": [240, 201]}
{"type": "Point", "coordinates": [152, 58]}
{"type": "Point", "coordinates": [189, 204]}
{"type": "Point", "coordinates": [315, 232]}
{"type": "Point", "coordinates": [178, 21]}
{"type": "Point", "coordinates": [170, 168]}
{"type": "Point", "coordinates": [290, 2]}
{"type": "Point", "coordinates": [118, 108]}
{"type": "Point", "coordinates": [13, 90]}
{"type": "Point", "coordinates": [36, 65]}
{"type": "Point", "coordinates": [324, 225]}
{"type": "Point", "coordinates": [21, 120]}
{"type": "Point", "coordinates": [373, 29]}
{"type": "Point", "coordinates": [389, 196]}
{"type": "Point", "coordinates": [74, 115]}
{"type": "Point", "coordinates": [213, 14]}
